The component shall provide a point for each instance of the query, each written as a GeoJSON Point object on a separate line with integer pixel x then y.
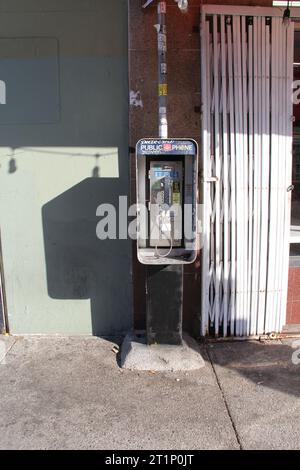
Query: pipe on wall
{"type": "Point", "coordinates": [161, 28]}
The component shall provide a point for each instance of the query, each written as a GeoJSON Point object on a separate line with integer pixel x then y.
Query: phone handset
{"type": "Point", "coordinates": [165, 201]}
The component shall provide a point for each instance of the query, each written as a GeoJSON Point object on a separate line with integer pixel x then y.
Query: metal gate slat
{"type": "Point", "coordinates": [247, 70]}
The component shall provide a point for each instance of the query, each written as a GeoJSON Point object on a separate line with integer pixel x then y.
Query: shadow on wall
{"type": "Point", "coordinates": [64, 151]}
{"type": "Point", "coordinates": [78, 264]}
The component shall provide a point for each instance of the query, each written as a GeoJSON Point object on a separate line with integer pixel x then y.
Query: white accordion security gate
{"type": "Point", "coordinates": [247, 73]}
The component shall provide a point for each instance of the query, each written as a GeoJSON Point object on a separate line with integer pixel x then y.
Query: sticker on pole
{"type": "Point", "coordinates": [162, 42]}
{"type": "Point", "coordinates": [163, 68]}
{"type": "Point", "coordinates": [162, 89]}
{"type": "Point", "coordinates": [162, 7]}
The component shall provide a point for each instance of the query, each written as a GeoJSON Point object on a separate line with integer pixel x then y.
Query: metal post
{"type": "Point", "coordinates": [162, 69]}
{"type": "Point", "coordinates": [164, 284]}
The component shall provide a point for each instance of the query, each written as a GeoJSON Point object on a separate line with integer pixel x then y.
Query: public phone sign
{"type": "Point", "coordinates": [166, 146]}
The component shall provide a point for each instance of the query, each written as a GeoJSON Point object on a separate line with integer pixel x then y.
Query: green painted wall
{"type": "Point", "coordinates": [63, 151]}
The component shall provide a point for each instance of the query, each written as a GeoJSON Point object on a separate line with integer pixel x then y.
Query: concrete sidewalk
{"type": "Point", "coordinates": [69, 393]}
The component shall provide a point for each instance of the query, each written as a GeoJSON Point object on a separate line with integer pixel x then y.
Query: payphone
{"type": "Point", "coordinates": [167, 201]}
{"type": "Point", "coordinates": [166, 184]}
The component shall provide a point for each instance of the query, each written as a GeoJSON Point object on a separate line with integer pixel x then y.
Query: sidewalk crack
{"type": "Point", "coordinates": [2, 359]}
{"type": "Point", "coordinates": [224, 400]}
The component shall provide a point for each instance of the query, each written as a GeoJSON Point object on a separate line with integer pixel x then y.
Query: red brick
{"type": "Point", "coordinates": [295, 313]}
{"type": "Point", "coordinates": [289, 313]}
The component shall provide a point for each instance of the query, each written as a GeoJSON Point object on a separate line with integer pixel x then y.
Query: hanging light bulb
{"type": "Point", "coordinates": [287, 15]}
{"type": "Point", "coordinates": [182, 5]}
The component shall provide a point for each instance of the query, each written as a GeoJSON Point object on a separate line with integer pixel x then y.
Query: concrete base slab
{"type": "Point", "coordinates": [137, 355]}
{"type": "Point", "coordinates": [98, 405]}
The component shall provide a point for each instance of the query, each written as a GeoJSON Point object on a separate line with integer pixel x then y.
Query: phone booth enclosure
{"type": "Point", "coordinates": [166, 176]}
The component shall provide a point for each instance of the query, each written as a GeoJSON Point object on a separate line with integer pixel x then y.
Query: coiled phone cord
{"type": "Point", "coordinates": [159, 255]}
{"type": "Point", "coordinates": [165, 255]}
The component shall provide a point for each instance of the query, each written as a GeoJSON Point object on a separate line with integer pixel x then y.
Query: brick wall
{"type": "Point", "coordinates": [293, 305]}
{"type": "Point", "coordinates": [183, 112]}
